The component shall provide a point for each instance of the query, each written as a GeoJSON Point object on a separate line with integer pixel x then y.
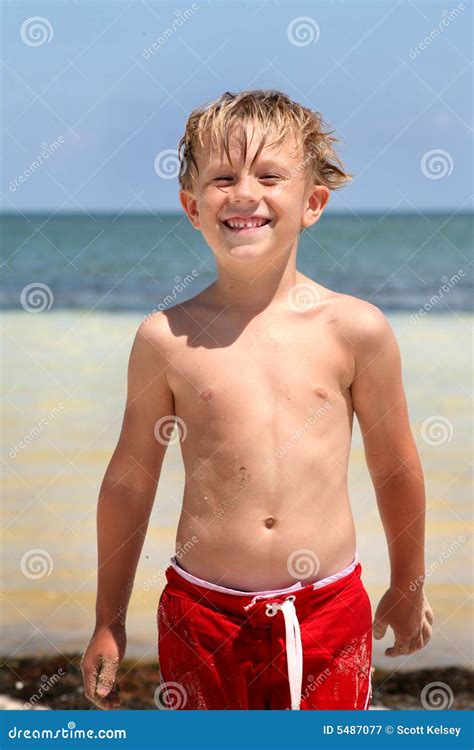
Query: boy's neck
{"type": "Point", "coordinates": [251, 290]}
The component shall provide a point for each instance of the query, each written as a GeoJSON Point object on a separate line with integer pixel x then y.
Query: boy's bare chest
{"type": "Point", "coordinates": [265, 369]}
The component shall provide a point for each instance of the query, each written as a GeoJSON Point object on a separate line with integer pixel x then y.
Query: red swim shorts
{"type": "Point", "coordinates": [305, 647]}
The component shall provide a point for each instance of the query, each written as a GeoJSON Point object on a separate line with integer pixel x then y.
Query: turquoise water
{"type": "Point", "coordinates": [132, 262]}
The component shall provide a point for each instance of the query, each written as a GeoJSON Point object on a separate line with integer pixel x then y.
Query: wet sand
{"type": "Point", "coordinates": [22, 678]}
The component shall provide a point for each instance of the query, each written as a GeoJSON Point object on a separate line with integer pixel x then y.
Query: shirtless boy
{"type": "Point", "coordinates": [263, 370]}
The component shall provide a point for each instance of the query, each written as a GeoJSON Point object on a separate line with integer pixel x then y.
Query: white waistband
{"type": "Point", "coordinates": [275, 592]}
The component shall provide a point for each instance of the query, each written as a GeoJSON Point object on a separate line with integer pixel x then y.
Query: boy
{"type": "Point", "coordinates": [264, 607]}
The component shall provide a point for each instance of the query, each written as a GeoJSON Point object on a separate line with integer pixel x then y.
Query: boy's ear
{"type": "Point", "coordinates": [317, 200]}
{"type": "Point", "coordinates": [190, 205]}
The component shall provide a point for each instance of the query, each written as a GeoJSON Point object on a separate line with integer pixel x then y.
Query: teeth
{"type": "Point", "coordinates": [246, 224]}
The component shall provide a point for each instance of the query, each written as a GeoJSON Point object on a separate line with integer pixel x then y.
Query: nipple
{"type": "Point", "coordinates": [270, 522]}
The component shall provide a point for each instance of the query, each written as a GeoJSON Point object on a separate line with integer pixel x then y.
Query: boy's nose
{"type": "Point", "coordinates": [246, 191]}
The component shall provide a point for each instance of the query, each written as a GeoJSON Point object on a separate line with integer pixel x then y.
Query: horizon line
{"type": "Point", "coordinates": [177, 212]}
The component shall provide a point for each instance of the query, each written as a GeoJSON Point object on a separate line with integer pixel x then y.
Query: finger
{"type": "Point", "coordinates": [429, 615]}
{"type": "Point", "coordinates": [426, 633]}
{"type": "Point", "coordinates": [90, 674]}
{"type": "Point", "coordinates": [400, 647]}
{"type": "Point", "coordinates": [379, 629]}
{"type": "Point", "coordinates": [106, 678]}
{"type": "Point", "coordinates": [90, 679]}
{"type": "Point", "coordinates": [416, 643]}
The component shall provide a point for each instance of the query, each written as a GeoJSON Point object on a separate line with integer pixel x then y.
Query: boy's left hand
{"type": "Point", "coordinates": [409, 615]}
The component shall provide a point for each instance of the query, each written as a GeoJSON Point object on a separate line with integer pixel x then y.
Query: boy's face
{"type": "Point", "coordinates": [255, 207]}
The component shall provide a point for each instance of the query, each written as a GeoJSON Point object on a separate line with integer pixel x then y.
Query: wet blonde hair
{"type": "Point", "coordinates": [273, 112]}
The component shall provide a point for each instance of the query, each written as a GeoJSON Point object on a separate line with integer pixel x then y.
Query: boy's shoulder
{"type": "Point", "coordinates": [360, 322]}
{"type": "Point", "coordinates": [163, 328]}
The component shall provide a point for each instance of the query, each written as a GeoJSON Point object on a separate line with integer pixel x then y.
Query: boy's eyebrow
{"type": "Point", "coordinates": [262, 163]}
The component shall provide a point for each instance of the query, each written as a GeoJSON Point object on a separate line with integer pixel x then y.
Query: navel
{"type": "Point", "coordinates": [270, 522]}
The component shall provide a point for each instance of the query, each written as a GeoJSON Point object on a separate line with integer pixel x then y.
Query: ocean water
{"type": "Point", "coordinates": [64, 376]}
{"type": "Point", "coordinates": [133, 262]}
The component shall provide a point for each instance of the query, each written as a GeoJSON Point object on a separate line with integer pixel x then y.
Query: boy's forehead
{"type": "Point", "coordinates": [211, 155]}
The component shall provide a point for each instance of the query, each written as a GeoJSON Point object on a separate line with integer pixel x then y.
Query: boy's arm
{"type": "Point", "coordinates": [125, 501]}
{"type": "Point", "coordinates": [394, 465]}
{"type": "Point", "coordinates": [129, 486]}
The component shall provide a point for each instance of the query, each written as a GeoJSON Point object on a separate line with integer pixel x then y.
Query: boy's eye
{"type": "Point", "coordinates": [270, 177]}
{"type": "Point", "coordinates": [223, 178]}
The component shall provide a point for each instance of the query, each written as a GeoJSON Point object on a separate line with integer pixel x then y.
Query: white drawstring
{"type": "Point", "coordinates": [294, 650]}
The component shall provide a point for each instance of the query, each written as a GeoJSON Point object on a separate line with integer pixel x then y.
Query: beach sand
{"type": "Point", "coordinates": [23, 684]}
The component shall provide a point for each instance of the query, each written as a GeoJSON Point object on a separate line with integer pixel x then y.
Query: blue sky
{"type": "Point", "coordinates": [84, 80]}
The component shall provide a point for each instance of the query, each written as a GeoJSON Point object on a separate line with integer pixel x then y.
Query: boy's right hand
{"type": "Point", "coordinates": [99, 666]}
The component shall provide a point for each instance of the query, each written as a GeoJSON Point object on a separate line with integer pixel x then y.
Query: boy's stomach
{"type": "Point", "coordinates": [258, 541]}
